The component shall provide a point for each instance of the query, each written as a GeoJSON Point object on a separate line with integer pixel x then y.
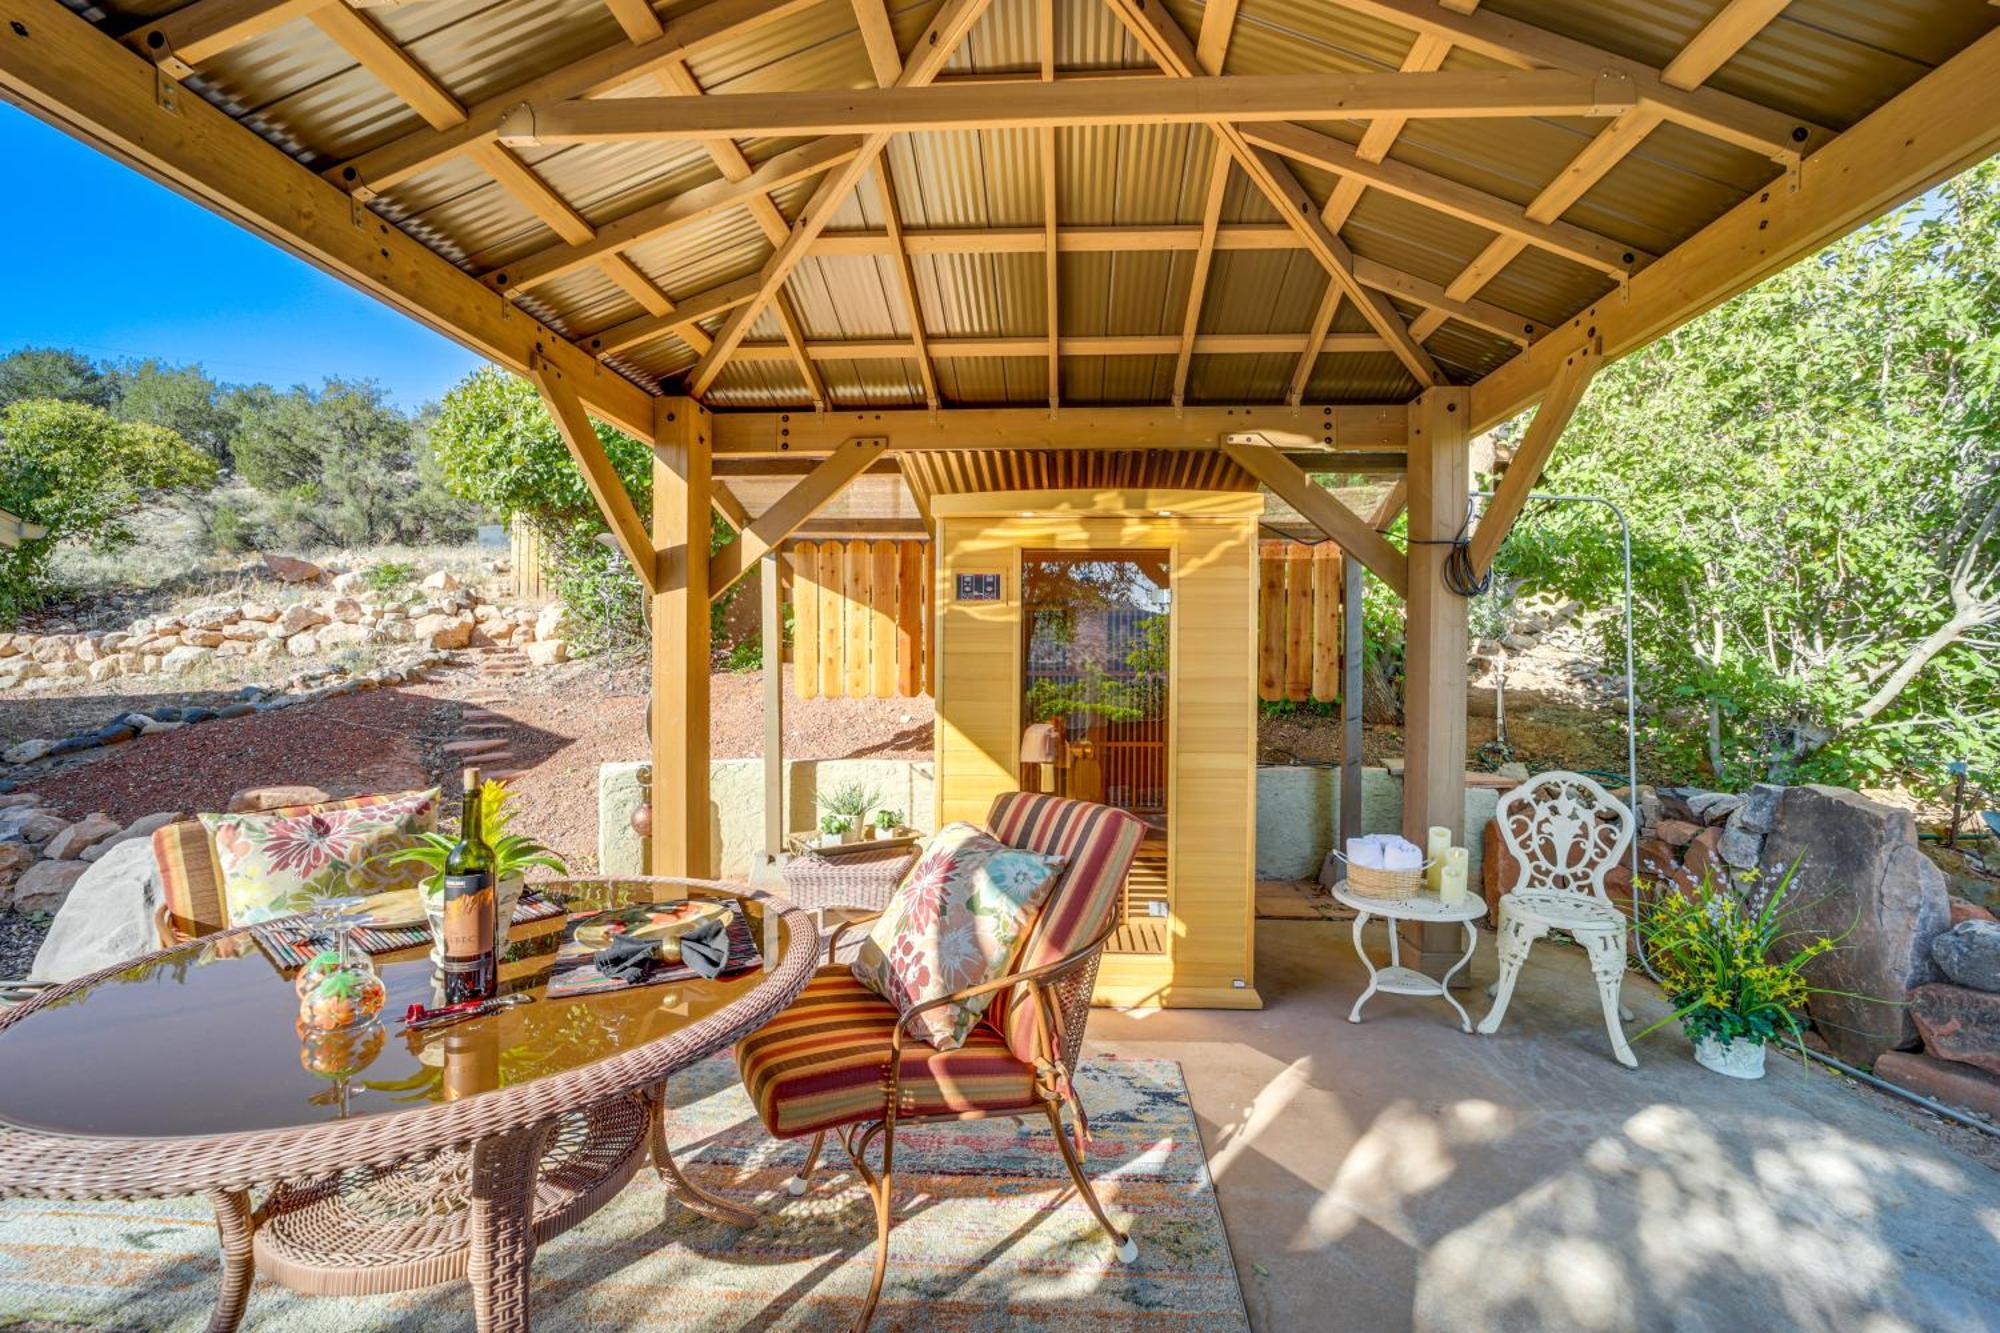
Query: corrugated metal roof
{"type": "Point", "coordinates": [1832, 61]}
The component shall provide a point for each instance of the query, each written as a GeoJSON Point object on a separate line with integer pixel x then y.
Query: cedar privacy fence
{"type": "Point", "coordinates": [859, 610]}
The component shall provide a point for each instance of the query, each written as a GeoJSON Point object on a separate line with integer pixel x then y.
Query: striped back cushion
{"type": "Point", "coordinates": [1098, 844]}
{"type": "Point", "coordinates": [191, 875]}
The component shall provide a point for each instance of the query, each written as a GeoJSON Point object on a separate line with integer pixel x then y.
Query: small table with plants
{"type": "Point", "coordinates": [385, 1162]}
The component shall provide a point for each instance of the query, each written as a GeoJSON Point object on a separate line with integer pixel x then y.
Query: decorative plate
{"type": "Point", "coordinates": [650, 921]}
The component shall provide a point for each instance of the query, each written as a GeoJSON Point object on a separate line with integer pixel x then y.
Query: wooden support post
{"type": "Point", "coordinates": [1352, 579]}
{"type": "Point", "coordinates": [682, 841]}
{"type": "Point", "coordinates": [1440, 477]}
{"type": "Point", "coordinates": [773, 625]}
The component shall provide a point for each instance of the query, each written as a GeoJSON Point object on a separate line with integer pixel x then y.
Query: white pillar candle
{"type": "Point", "coordinates": [1436, 843]}
{"type": "Point", "coordinates": [1451, 882]}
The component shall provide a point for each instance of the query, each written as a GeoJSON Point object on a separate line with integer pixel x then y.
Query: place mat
{"type": "Point", "coordinates": [291, 942]}
{"type": "Point", "coordinates": [574, 973]}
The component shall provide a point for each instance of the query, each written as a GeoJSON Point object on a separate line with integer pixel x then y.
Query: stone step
{"type": "Point", "coordinates": [489, 745]}
{"type": "Point", "coordinates": [490, 725]}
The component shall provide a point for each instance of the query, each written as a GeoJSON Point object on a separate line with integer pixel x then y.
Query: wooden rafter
{"type": "Point", "coordinates": [1320, 507]}
{"type": "Point", "coordinates": [683, 38]}
{"type": "Point", "coordinates": [906, 281]}
{"type": "Point", "coordinates": [1737, 22]}
{"type": "Point", "coordinates": [938, 44]}
{"type": "Point", "coordinates": [879, 36]}
{"type": "Point", "coordinates": [520, 181]}
{"type": "Point", "coordinates": [1211, 218]}
{"type": "Point", "coordinates": [645, 328]}
{"type": "Point", "coordinates": [649, 296]}
{"type": "Point", "coordinates": [1309, 352]}
{"type": "Point", "coordinates": [1218, 23]}
{"type": "Point", "coordinates": [375, 51]}
{"type": "Point", "coordinates": [1576, 244]}
{"type": "Point", "coordinates": [186, 37]}
{"type": "Point", "coordinates": [1390, 506]}
{"type": "Point", "coordinates": [1531, 458]}
{"type": "Point", "coordinates": [1719, 115]}
{"type": "Point", "coordinates": [795, 344]}
{"type": "Point", "coordinates": [1915, 139]}
{"type": "Point", "coordinates": [655, 220]}
{"type": "Point", "coordinates": [614, 502]}
{"type": "Point", "coordinates": [1051, 266]}
{"type": "Point", "coordinates": [792, 510]}
{"type": "Point", "coordinates": [1183, 99]}
{"type": "Point", "coordinates": [1160, 35]}
{"type": "Point", "coordinates": [1336, 432]}
{"type": "Point", "coordinates": [1036, 345]}
{"type": "Point", "coordinates": [83, 81]}
{"type": "Point", "coordinates": [1426, 53]}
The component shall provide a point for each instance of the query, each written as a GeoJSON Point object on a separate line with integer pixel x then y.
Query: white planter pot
{"type": "Point", "coordinates": [504, 901]}
{"type": "Point", "coordinates": [1736, 1058]}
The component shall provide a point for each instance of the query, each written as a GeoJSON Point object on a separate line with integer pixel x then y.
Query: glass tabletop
{"type": "Point", "coordinates": [202, 1039]}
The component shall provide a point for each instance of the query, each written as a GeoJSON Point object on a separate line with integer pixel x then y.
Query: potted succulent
{"type": "Point", "coordinates": [888, 823]}
{"type": "Point", "coordinates": [1712, 948]}
{"type": "Point", "coordinates": [834, 828]}
{"type": "Point", "coordinates": [512, 853]}
{"type": "Point", "coordinates": [850, 801]}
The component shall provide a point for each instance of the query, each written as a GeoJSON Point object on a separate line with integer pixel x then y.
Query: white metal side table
{"type": "Point", "coordinates": [1396, 979]}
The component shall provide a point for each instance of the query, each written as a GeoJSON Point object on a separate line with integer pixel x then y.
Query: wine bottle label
{"type": "Point", "coordinates": [468, 915]}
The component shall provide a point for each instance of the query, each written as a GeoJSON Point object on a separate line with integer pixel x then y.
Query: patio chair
{"type": "Point", "coordinates": [1566, 832]}
{"type": "Point", "coordinates": [840, 1059]}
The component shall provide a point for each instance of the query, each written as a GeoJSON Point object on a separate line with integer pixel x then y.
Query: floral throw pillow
{"type": "Point", "coordinates": [955, 921]}
{"type": "Point", "coordinates": [275, 862]}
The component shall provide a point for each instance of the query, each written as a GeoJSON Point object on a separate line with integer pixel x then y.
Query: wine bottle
{"type": "Point", "coordinates": [471, 964]}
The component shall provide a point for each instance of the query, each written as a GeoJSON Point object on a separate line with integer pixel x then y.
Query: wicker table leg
{"type": "Point", "coordinates": [502, 1227]}
{"type": "Point", "coordinates": [232, 1224]}
{"type": "Point", "coordinates": [690, 1195]}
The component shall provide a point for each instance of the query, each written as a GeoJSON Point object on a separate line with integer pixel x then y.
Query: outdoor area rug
{"type": "Point", "coordinates": [990, 1235]}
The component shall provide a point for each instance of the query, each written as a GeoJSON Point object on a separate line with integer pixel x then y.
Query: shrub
{"type": "Point", "coordinates": [81, 474]}
{"type": "Point", "coordinates": [389, 575]}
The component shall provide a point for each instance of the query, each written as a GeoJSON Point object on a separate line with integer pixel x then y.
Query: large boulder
{"type": "Point", "coordinates": [554, 622]}
{"type": "Point", "coordinates": [1959, 1023]}
{"type": "Point", "coordinates": [441, 631]}
{"type": "Point", "coordinates": [105, 919]}
{"type": "Point", "coordinates": [299, 618]}
{"type": "Point", "coordinates": [548, 652]}
{"type": "Point", "coordinates": [1860, 875]}
{"type": "Point", "coordinates": [184, 659]}
{"type": "Point", "coordinates": [44, 885]}
{"type": "Point", "coordinates": [1969, 954]}
{"type": "Point", "coordinates": [14, 858]}
{"type": "Point", "coordinates": [442, 581]}
{"type": "Point", "coordinates": [291, 569]}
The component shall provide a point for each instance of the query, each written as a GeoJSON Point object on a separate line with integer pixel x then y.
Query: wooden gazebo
{"type": "Point", "coordinates": [793, 243]}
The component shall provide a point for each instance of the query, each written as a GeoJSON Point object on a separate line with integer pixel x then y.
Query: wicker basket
{"type": "Point", "coordinates": [1392, 885]}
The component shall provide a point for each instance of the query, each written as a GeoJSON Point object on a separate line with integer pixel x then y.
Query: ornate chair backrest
{"type": "Point", "coordinates": [1566, 832]}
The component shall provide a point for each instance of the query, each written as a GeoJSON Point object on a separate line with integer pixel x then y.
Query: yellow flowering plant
{"type": "Point", "coordinates": [1712, 949]}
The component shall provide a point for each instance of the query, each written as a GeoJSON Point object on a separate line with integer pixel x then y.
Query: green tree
{"type": "Point", "coordinates": [1812, 473]}
{"type": "Point", "coordinates": [181, 398]}
{"type": "Point", "coordinates": [81, 473]}
{"type": "Point", "coordinates": [499, 449]}
{"type": "Point", "coordinates": [54, 372]}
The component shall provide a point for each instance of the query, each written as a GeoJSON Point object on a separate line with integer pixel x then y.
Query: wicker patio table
{"type": "Point", "coordinates": [407, 1161]}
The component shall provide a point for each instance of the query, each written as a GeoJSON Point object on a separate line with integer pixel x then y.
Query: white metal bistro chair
{"type": "Point", "coordinates": [1566, 832]}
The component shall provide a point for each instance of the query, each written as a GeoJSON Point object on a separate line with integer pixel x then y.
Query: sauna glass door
{"type": "Point", "coordinates": [1094, 703]}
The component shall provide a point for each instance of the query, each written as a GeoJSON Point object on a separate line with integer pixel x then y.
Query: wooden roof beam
{"type": "Point", "coordinates": [1602, 253]}
{"type": "Point", "coordinates": [792, 511]}
{"type": "Point", "coordinates": [1051, 266]}
{"type": "Point", "coordinates": [62, 68]}
{"type": "Point", "coordinates": [1211, 219]}
{"type": "Point", "coordinates": [1232, 99]}
{"type": "Point", "coordinates": [1915, 139]}
{"type": "Point", "coordinates": [520, 181]}
{"type": "Point", "coordinates": [939, 43]}
{"type": "Point", "coordinates": [1559, 402]}
{"type": "Point", "coordinates": [1329, 305]}
{"type": "Point", "coordinates": [614, 502]}
{"type": "Point", "coordinates": [1160, 34]}
{"type": "Point", "coordinates": [1333, 431]}
{"type": "Point", "coordinates": [1143, 344]}
{"type": "Point", "coordinates": [375, 51]}
{"type": "Point", "coordinates": [1319, 507]}
{"type": "Point", "coordinates": [795, 344]}
{"type": "Point", "coordinates": [679, 320]}
{"type": "Point", "coordinates": [655, 220]}
{"type": "Point", "coordinates": [192, 34]}
{"type": "Point", "coordinates": [906, 280]}
{"type": "Point", "coordinates": [685, 37]}
{"type": "Point", "coordinates": [1735, 120]}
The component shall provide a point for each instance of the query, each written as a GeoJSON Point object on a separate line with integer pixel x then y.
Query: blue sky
{"type": "Point", "coordinates": [246, 310]}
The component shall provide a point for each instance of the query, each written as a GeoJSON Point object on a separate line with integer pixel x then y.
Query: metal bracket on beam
{"type": "Point", "coordinates": [166, 88]}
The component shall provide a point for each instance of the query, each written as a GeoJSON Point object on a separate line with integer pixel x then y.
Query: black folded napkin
{"type": "Point", "coordinates": [705, 949]}
{"type": "Point", "coordinates": [626, 959]}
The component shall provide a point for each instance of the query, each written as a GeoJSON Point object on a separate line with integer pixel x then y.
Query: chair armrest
{"type": "Point", "coordinates": [833, 940]}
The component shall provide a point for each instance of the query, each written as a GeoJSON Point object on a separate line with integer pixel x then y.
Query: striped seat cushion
{"type": "Point", "coordinates": [823, 1061]}
{"type": "Point", "coordinates": [1098, 844]}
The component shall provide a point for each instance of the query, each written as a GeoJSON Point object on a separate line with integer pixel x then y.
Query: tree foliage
{"type": "Point", "coordinates": [1812, 474]}
{"type": "Point", "coordinates": [54, 372]}
{"type": "Point", "coordinates": [81, 473]}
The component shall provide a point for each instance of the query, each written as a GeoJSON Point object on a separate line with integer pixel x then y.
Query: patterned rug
{"type": "Point", "coordinates": [990, 1235]}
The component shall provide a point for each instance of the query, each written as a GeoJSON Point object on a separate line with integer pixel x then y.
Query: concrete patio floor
{"type": "Point", "coordinates": [1401, 1174]}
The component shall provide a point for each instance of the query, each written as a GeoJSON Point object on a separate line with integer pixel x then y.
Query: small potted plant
{"type": "Point", "coordinates": [851, 801]}
{"type": "Point", "coordinates": [833, 828]}
{"type": "Point", "coordinates": [1712, 950]}
{"type": "Point", "coordinates": [512, 854]}
{"type": "Point", "coordinates": [888, 823]}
